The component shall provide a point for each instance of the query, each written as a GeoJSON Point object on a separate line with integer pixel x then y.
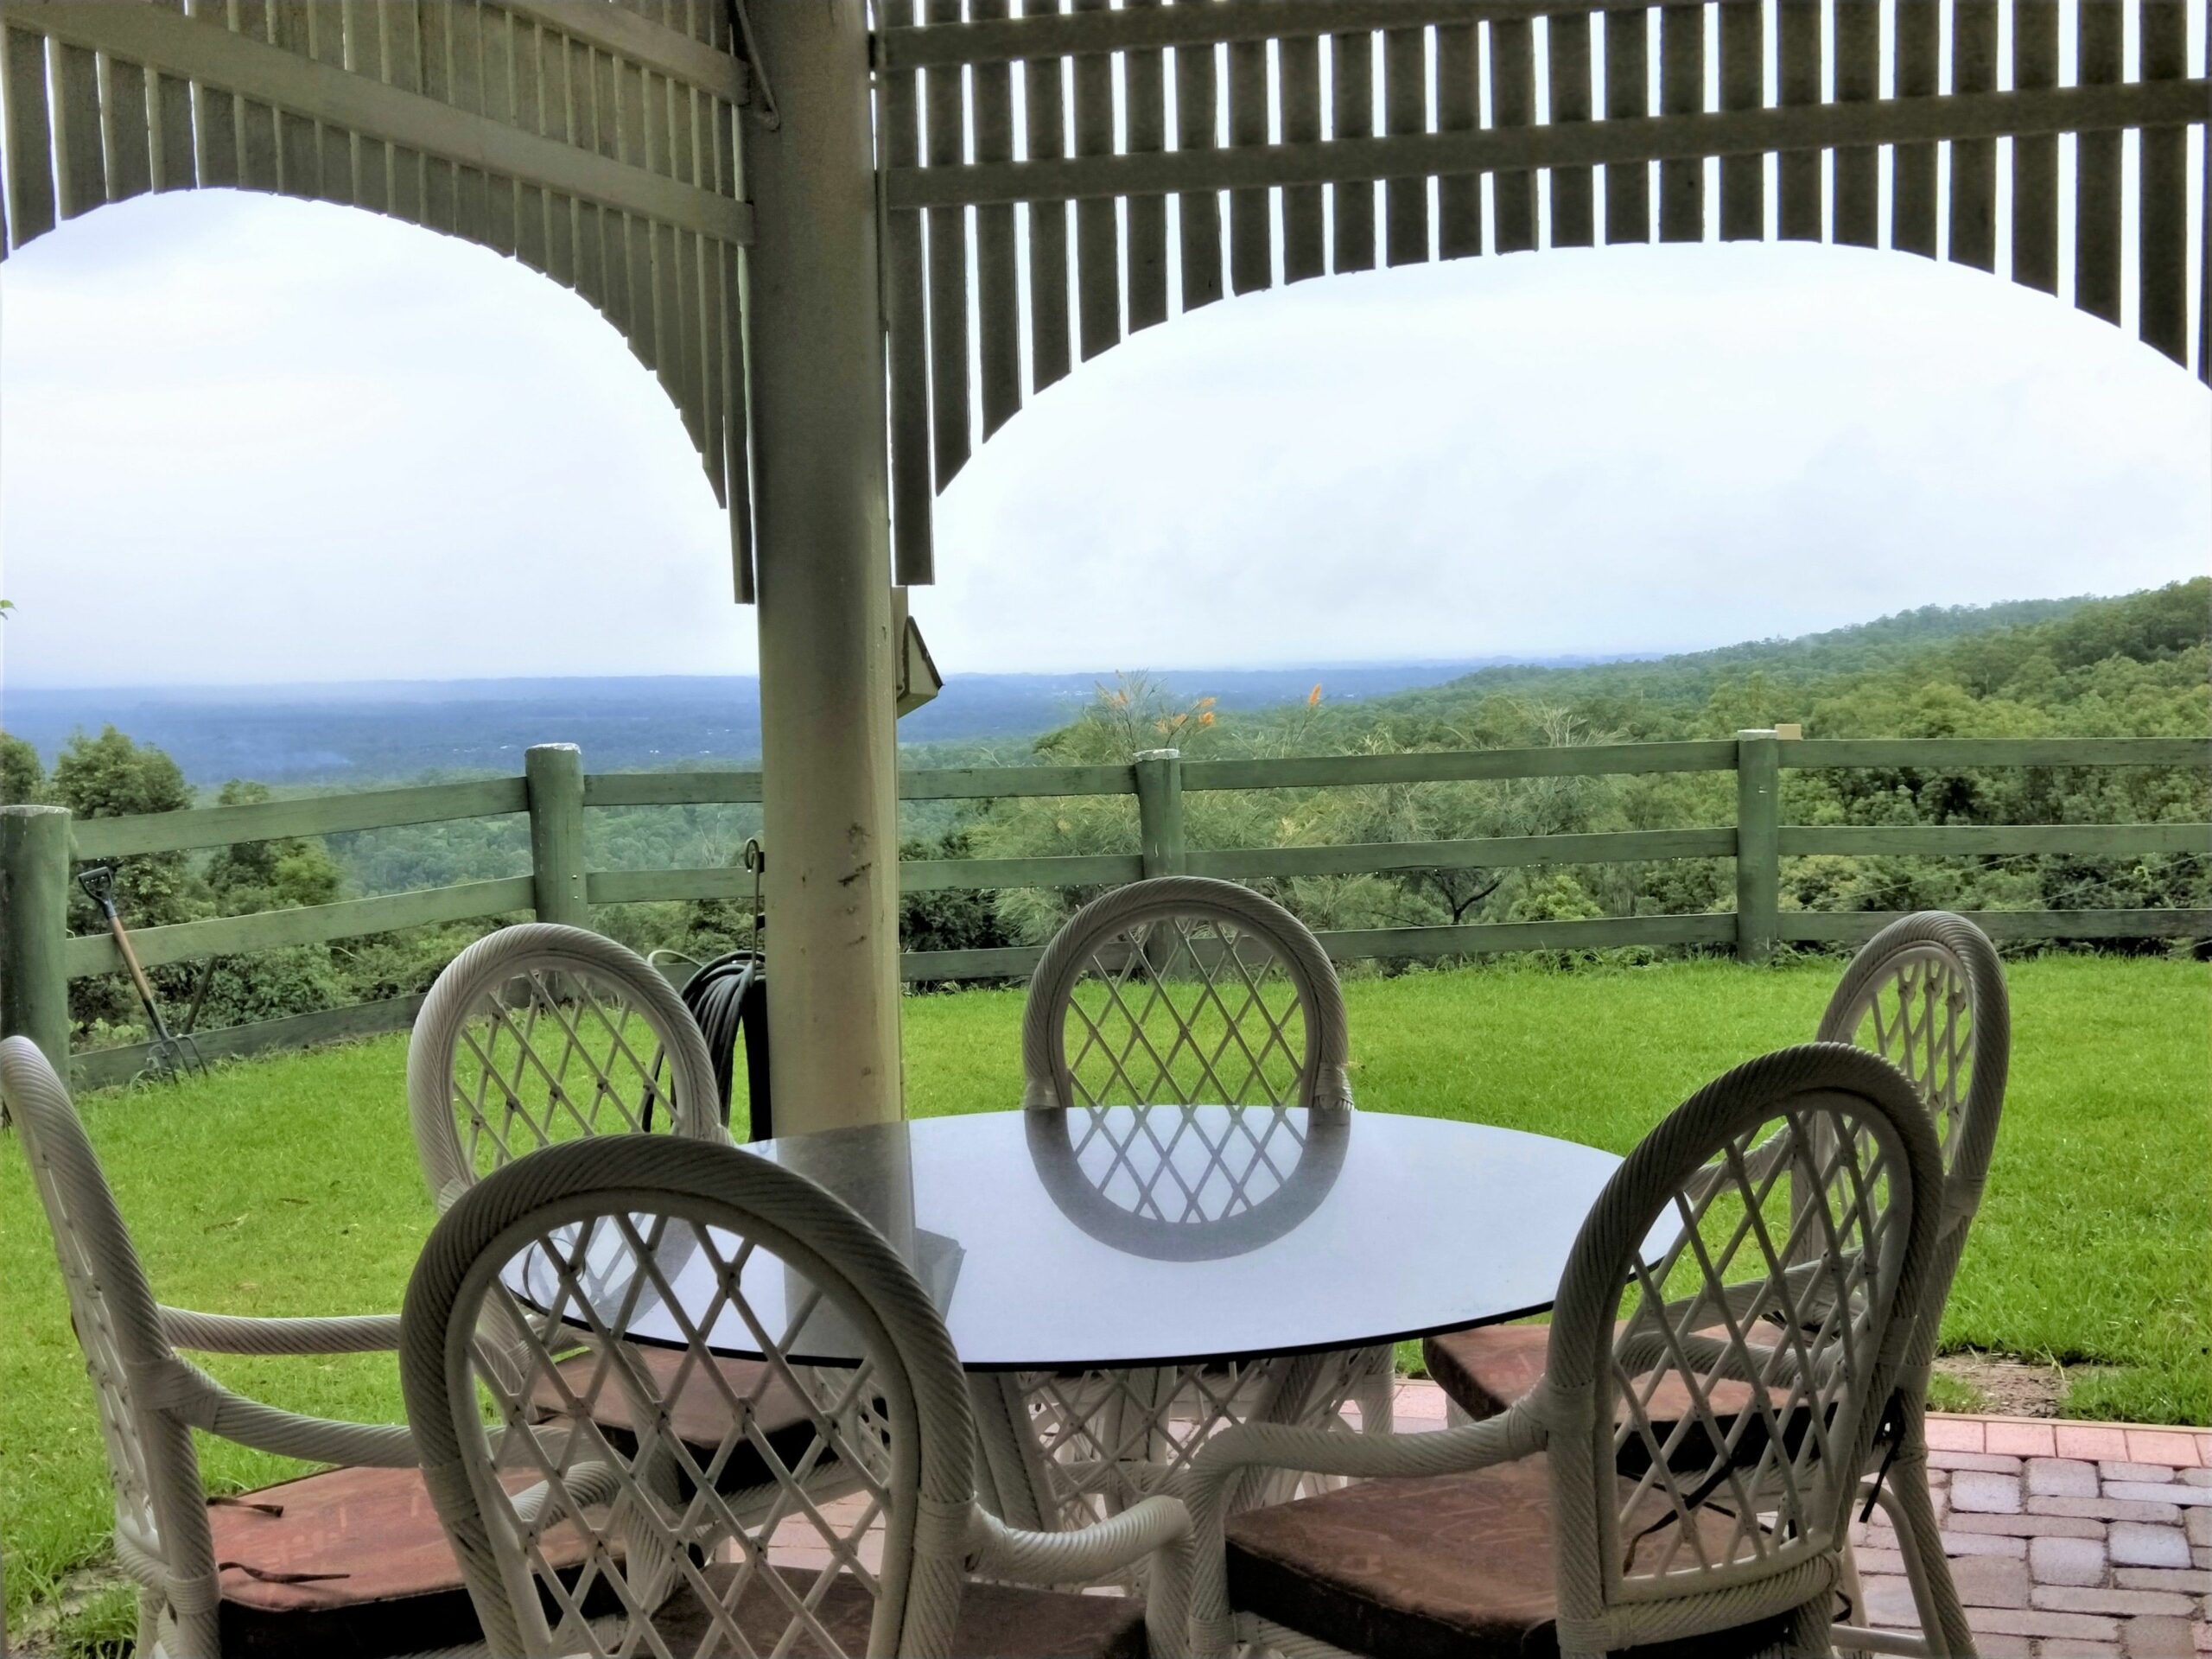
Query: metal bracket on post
{"type": "Point", "coordinates": [769, 117]}
{"type": "Point", "coordinates": [1758, 836]}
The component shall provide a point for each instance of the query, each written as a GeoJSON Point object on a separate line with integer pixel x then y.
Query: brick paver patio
{"type": "Point", "coordinates": [2068, 1540]}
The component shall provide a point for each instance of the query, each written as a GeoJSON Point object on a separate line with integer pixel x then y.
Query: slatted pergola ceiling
{"type": "Point", "coordinates": [595, 142]}
{"type": "Point", "coordinates": [1059, 174]}
{"type": "Point", "coordinates": [1056, 175]}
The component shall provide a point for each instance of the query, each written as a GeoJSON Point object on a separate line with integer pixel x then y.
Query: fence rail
{"type": "Point", "coordinates": [39, 844]}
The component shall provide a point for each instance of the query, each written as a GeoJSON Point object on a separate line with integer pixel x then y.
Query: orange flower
{"type": "Point", "coordinates": [1207, 718]}
{"type": "Point", "coordinates": [1313, 698]}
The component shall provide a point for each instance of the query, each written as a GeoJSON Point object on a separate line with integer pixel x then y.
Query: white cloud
{"type": "Point", "coordinates": [1629, 448]}
{"type": "Point", "coordinates": [256, 440]}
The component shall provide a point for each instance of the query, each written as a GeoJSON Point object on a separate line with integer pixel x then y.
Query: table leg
{"type": "Point", "coordinates": [1011, 1475]}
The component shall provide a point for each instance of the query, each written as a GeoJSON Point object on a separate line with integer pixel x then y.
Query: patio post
{"type": "Point", "coordinates": [554, 773]}
{"type": "Point", "coordinates": [1160, 811]}
{"type": "Point", "coordinates": [1759, 858]}
{"type": "Point", "coordinates": [33, 926]}
{"type": "Point", "coordinates": [830, 779]}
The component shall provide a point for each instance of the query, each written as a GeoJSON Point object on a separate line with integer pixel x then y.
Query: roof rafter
{"type": "Point", "coordinates": [218, 57]}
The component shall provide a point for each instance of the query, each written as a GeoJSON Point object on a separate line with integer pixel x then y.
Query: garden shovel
{"type": "Point", "coordinates": [169, 1054]}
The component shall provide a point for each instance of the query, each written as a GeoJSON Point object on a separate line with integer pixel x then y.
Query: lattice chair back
{"type": "Point", "coordinates": [1727, 1333]}
{"type": "Point", "coordinates": [162, 1539]}
{"type": "Point", "coordinates": [1928, 993]}
{"type": "Point", "coordinates": [1181, 990]}
{"type": "Point", "coordinates": [579, 1245]}
{"type": "Point", "coordinates": [540, 1034]}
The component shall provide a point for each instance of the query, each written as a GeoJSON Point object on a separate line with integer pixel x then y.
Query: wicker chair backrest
{"type": "Point", "coordinates": [540, 1034]}
{"type": "Point", "coordinates": [1927, 995]}
{"type": "Point", "coordinates": [1181, 990]}
{"type": "Point", "coordinates": [571, 1246]}
{"type": "Point", "coordinates": [1727, 1335]}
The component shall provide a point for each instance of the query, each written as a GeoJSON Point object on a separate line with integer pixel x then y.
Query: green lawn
{"type": "Point", "coordinates": [290, 1186]}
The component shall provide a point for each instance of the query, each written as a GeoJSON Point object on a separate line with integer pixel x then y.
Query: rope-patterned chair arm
{"type": "Point", "coordinates": [229, 1333]}
{"type": "Point", "coordinates": [200, 1401]}
{"type": "Point", "coordinates": [1158, 1528]}
{"type": "Point", "coordinates": [1513, 1433]}
{"type": "Point", "coordinates": [586, 1484]}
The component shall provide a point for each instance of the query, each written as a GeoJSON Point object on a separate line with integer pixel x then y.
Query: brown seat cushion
{"type": "Point", "coordinates": [1454, 1566]}
{"type": "Point", "coordinates": [1487, 1369]}
{"type": "Point", "coordinates": [373, 1574]}
{"type": "Point", "coordinates": [696, 1406]}
{"type": "Point", "coordinates": [1001, 1621]}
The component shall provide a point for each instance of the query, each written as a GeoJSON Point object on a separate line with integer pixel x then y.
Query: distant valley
{"type": "Point", "coordinates": [329, 734]}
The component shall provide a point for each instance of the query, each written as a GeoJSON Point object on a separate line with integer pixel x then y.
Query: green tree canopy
{"type": "Point", "coordinates": [22, 775]}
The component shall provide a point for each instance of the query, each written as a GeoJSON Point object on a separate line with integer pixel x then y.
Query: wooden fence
{"type": "Point", "coordinates": [38, 958]}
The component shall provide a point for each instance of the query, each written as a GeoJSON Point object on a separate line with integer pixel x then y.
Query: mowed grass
{"type": "Point", "coordinates": [290, 1186]}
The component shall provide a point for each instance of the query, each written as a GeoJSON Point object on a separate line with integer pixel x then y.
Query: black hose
{"type": "Point", "coordinates": [730, 999]}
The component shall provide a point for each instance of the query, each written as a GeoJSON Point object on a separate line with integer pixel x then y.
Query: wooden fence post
{"type": "Point", "coordinates": [1160, 811]}
{"type": "Point", "coordinates": [34, 922]}
{"type": "Point", "coordinates": [555, 773]}
{"type": "Point", "coordinates": [1759, 830]}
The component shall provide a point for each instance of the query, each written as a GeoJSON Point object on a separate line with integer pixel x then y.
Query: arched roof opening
{"type": "Point", "coordinates": [252, 439]}
{"type": "Point", "coordinates": [1624, 450]}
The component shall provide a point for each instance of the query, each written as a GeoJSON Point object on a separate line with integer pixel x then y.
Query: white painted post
{"type": "Point", "coordinates": [815, 329]}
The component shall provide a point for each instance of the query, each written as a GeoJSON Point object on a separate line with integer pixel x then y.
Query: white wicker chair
{"type": "Point", "coordinates": [677, 1535]}
{"type": "Point", "coordinates": [1670, 1479]}
{"type": "Point", "coordinates": [340, 1562]}
{"type": "Point", "coordinates": [1161, 996]}
{"type": "Point", "coordinates": [539, 1033]}
{"type": "Point", "coordinates": [1928, 993]}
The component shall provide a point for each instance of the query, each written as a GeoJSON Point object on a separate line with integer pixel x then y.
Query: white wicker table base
{"type": "Point", "coordinates": [1066, 1449]}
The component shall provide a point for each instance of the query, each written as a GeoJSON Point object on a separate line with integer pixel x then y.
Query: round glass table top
{"type": "Point", "coordinates": [1122, 1236]}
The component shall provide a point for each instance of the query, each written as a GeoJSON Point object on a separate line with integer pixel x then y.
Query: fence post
{"type": "Point", "coordinates": [555, 774]}
{"type": "Point", "coordinates": [34, 922]}
{"type": "Point", "coordinates": [1758, 856]}
{"type": "Point", "coordinates": [1160, 811]}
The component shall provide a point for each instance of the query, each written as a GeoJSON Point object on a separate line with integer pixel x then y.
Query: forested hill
{"type": "Point", "coordinates": [2135, 665]}
{"type": "Point", "coordinates": [1885, 642]}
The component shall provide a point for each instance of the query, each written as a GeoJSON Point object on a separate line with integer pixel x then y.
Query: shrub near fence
{"type": "Point", "coordinates": [38, 845]}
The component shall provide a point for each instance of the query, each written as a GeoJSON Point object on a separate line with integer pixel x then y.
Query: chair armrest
{"type": "Point", "coordinates": [313, 1440]}
{"type": "Point", "coordinates": [1208, 1484]}
{"type": "Point", "coordinates": [1156, 1526]}
{"type": "Point", "coordinates": [1514, 1434]}
{"type": "Point", "coordinates": [183, 1389]}
{"type": "Point", "coordinates": [230, 1333]}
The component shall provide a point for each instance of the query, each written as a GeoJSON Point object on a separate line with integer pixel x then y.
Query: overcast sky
{"type": "Point", "coordinates": [244, 439]}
